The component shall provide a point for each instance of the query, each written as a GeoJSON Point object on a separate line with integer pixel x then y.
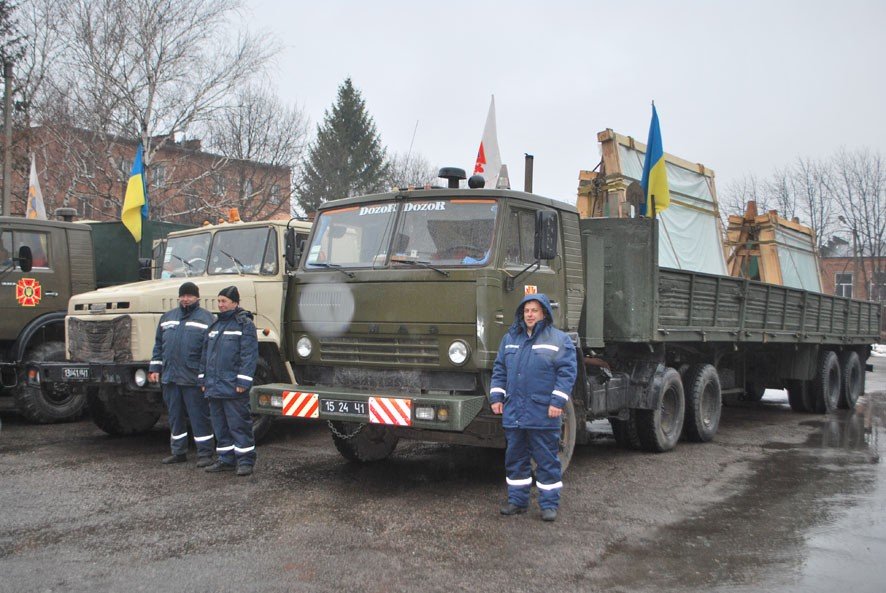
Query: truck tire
{"type": "Point", "coordinates": [703, 403]}
{"type": "Point", "coordinates": [371, 443]}
{"type": "Point", "coordinates": [42, 403]}
{"type": "Point", "coordinates": [261, 423]}
{"type": "Point", "coordinates": [625, 432]}
{"type": "Point", "coordinates": [826, 385]}
{"type": "Point", "coordinates": [567, 436]}
{"type": "Point", "coordinates": [660, 428]}
{"type": "Point", "coordinates": [798, 395]}
{"type": "Point", "coordinates": [853, 377]}
{"type": "Point", "coordinates": [119, 415]}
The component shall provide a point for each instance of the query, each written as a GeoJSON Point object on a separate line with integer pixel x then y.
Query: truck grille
{"type": "Point", "coordinates": [100, 341]}
{"type": "Point", "coordinates": [424, 351]}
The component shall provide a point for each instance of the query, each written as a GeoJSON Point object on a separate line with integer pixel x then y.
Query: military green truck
{"type": "Point", "coordinates": [396, 311]}
{"type": "Point", "coordinates": [110, 332]}
{"type": "Point", "coordinates": [64, 258]}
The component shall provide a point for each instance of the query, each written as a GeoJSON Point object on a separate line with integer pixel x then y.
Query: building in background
{"type": "Point", "coordinates": [844, 273]}
{"type": "Point", "coordinates": [88, 171]}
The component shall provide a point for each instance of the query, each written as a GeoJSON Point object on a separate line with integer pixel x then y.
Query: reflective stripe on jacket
{"type": "Point", "coordinates": [230, 354]}
{"type": "Point", "coordinates": [533, 372]}
{"type": "Point", "coordinates": [178, 345]}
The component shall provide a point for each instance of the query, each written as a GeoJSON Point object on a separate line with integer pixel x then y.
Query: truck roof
{"type": "Point", "coordinates": [437, 193]}
{"type": "Point", "coordinates": [299, 224]}
{"type": "Point", "coordinates": [21, 221]}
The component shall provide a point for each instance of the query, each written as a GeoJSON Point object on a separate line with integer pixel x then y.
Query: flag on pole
{"type": "Point", "coordinates": [655, 175]}
{"type": "Point", "coordinates": [488, 157]}
{"type": "Point", "coordinates": [135, 204]}
{"type": "Point", "coordinates": [35, 207]}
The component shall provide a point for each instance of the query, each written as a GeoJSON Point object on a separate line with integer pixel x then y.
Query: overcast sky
{"type": "Point", "coordinates": [743, 87]}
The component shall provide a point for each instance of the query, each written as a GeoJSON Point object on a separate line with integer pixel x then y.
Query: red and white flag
{"type": "Point", "coordinates": [35, 207]}
{"type": "Point", "coordinates": [489, 157]}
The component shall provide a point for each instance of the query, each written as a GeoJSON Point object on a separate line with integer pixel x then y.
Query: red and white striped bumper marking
{"type": "Point", "coordinates": [390, 410]}
{"type": "Point", "coordinates": [301, 404]}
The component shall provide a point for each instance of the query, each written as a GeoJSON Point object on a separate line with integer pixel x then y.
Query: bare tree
{"type": "Point", "coordinates": [410, 169]}
{"type": "Point", "coordinates": [734, 197]}
{"type": "Point", "coordinates": [268, 134]}
{"type": "Point", "coordinates": [100, 75]}
{"type": "Point", "coordinates": [860, 197]}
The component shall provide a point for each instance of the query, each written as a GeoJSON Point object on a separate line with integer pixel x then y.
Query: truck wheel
{"type": "Point", "coordinates": [261, 423]}
{"type": "Point", "coordinates": [798, 395]}
{"type": "Point", "coordinates": [853, 379]}
{"type": "Point", "coordinates": [44, 403]}
{"type": "Point", "coordinates": [567, 436]}
{"type": "Point", "coordinates": [659, 429]}
{"type": "Point", "coordinates": [826, 384]}
{"type": "Point", "coordinates": [625, 432]}
{"type": "Point", "coordinates": [118, 414]}
{"type": "Point", "coordinates": [703, 403]}
{"type": "Point", "coordinates": [371, 443]}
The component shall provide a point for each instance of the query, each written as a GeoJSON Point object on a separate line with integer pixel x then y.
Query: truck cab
{"type": "Point", "coordinates": [399, 306]}
{"type": "Point", "coordinates": [110, 332]}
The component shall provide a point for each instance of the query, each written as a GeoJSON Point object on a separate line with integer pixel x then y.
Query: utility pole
{"type": "Point", "coordinates": [7, 136]}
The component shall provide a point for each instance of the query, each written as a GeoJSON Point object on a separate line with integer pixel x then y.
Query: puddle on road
{"type": "Point", "coordinates": [810, 517]}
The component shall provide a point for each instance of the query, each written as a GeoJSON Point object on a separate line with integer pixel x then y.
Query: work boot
{"type": "Point", "coordinates": [204, 461]}
{"type": "Point", "coordinates": [549, 514]}
{"type": "Point", "coordinates": [511, 509]}
{"type": "Point", "coordinates": [244, 470]}
{"type": "Point", "coordinates": [179, 458]}
{"type": "Point", "coordinates": [218, 466]}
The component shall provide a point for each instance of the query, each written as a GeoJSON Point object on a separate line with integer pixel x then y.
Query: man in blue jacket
{"type": "Point", "coordinates": [230, 355]}
{"type": "Point", "coordinates": [176, 364]}
{"type": "Point", "coordinates": [532, 381]}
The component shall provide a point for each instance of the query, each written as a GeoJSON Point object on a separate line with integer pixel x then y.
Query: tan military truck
{"type": "Point", "coordinates": [110, 332]}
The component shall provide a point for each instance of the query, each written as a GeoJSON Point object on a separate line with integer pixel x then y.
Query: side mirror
{"type": "Point", "coordinates": [293, 246]}
{"type": "Point", "coordinates": [545, 234]}
{"type": "Point", "coordinates": [144, 268]}
{"type": "Point", "coordinates": [25, 259]}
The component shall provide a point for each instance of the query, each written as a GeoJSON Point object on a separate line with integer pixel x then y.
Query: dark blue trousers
{"type": "Point", "coordinates": [540, 445]}
{"type": "Point", "coordinates": [186, 402]}
{"type": "Point", "coordinates": [232, 422]}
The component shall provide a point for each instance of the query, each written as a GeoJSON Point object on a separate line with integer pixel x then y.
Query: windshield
{"type": "Point", "coordinates": [240, 251]}
{"type": "Point", "coordinates": [185, 256]}
{"type": "Point", "coordinates": [446, 232]}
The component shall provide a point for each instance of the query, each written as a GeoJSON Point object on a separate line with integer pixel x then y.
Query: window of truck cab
{"type": "Point", "coordinates": [441, 232]}
{"type": "Point", "coordinates": [518, 246]}
{"type": "Point", "coordinates": [38, 242]}
{"type": "Point", "coordinates": [242, 251]}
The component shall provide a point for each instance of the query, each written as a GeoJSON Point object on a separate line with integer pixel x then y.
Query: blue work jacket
{"type": "Point", "coordinates": [230, 354]}
{"type": "Point", "coordinates": [178, 344]}
{"type": "Point", "coordinates": [533, 372]}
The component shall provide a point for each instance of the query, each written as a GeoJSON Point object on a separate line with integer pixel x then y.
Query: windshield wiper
{"type": "Point", "coordinates": [236, 261]}
{"type": "Point", "coordinates": [418, 262]}
{"type": "Point", "coordinates": [186, 262]}
{"type": "Point", "coordinates": [334, 267]}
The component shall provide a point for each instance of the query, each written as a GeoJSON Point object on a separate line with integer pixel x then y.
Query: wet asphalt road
{"type": "Point", "coordinates": [778, 502]}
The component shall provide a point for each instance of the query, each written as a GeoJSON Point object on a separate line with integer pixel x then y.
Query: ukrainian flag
{"type": "Point", "coordinates": [135, 204]}
{"type": "Point", "coordinates": [655, 175]}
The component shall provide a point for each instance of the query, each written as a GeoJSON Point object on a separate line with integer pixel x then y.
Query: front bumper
{"type": "Point", "coordinates": [425, 411]}
{"type": "Point", "coordinates": [90, 374]}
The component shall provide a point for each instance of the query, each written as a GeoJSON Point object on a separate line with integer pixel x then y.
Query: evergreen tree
{"type": "Point", "coordinates": [347, 158]}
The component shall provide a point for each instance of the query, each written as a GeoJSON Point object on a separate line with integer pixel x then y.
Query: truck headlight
{"type": "Point", "coordinates": [458, 352]}
{"type": "Point", "coordinates": [304, 347]}
{"type": "Point", "coordinates": [140, 377]}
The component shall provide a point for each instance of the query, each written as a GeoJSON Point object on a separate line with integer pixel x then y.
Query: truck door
{"type": "Point", "coordinates": [517, 253]}
{"type": "Point", "coordinates": [26, 296]}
